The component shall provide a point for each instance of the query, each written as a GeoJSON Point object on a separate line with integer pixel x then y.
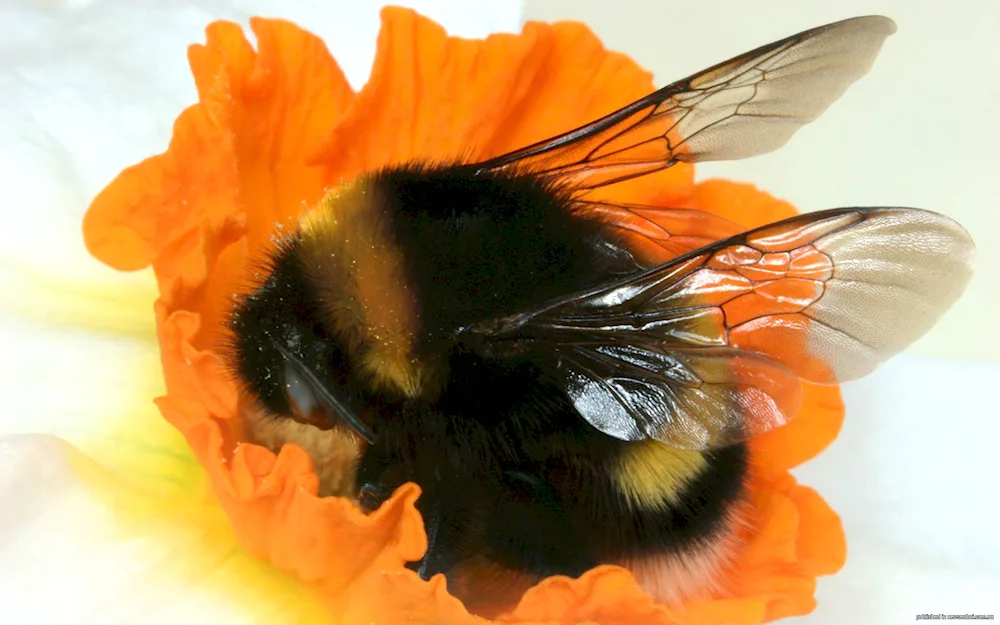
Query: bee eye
{"type": "Point", "coordinates": [312, 402]}
{"type": "Point", "coordinates": [305, 405]}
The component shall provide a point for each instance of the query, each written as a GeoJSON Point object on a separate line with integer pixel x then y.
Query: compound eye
{"type": "Point", "coordinates": [306, 407]}
{"type": "Point", "coordinates": [313, 403]}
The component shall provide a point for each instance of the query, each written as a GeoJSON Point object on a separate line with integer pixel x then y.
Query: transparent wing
{"type": "Point", "coordinates": [653, 233]}
{"type": "Point", "coordinates": [702, 350]}
{"type": "Point", "coordinates": [686, 398]}
{"type": "Point", "coordinates": [749, 105]}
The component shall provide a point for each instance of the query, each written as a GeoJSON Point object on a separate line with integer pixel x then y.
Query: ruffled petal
{"type": "Point", "coordinates": [241, 151]}
{"type": "Point", "coordinates": [809, 433]}
{"type": "Point", "coordinates": [272, 499]}
{"type": "Point", "coordinates": [260, 146]}
{"type": "Point", "coordinates": [739, 202]}
{"type": "Point", "coordinates": [821, 544]}
{"type": "Point", "coordinates": [606, 595]}
{"type": "Point", "coordinates": [438, 98]}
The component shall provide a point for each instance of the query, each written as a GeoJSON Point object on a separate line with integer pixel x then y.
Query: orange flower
{"type": "Point", "coordinates": [276, 126]}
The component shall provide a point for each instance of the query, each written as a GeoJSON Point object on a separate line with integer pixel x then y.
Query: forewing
{"type": "Point", "coordinates": [827, 296]}
{"type": "Point", "coordinates": [749, 105]}
{"type": "Point", "coordinates": [887, 276]}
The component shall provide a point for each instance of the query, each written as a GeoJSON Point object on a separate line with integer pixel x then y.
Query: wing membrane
{"type": "Point", "coordinates": [687, 398]}
{"type": "Point", "coordinates": [746, 106]}
{"type": "Point", "coordinates": [653, 233]}
{"type": "Point", "coordinates": [827, 296]}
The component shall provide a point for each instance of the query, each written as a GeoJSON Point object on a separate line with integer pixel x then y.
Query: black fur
{"type": "Point", "coordinates": [283, 309]}
{"type": "Point", "coordinates": [504, 442]}
{"type": "Point", "coordinates": [502, 434]}
{"type": "Point", "coordinates": [508, 468]}
{"type": "Point", "coordinates": [479, 246]}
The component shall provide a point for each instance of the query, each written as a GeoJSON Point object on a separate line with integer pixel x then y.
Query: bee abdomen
{"type": "Point", "coordinates": [651, 499]}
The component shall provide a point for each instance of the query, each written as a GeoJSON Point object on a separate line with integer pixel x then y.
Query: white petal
{"type": "Point", "coordinates": [67, 558]}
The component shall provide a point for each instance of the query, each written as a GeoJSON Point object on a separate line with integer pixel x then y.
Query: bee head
{"type": "Point", "coordinates": [333, 326]}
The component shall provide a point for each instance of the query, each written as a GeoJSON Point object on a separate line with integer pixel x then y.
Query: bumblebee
{"type": "Point", "coordinates": [519, 350]}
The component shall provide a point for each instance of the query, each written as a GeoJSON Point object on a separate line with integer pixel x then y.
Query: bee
{"type": "Point", "coordinates": [519, 349]}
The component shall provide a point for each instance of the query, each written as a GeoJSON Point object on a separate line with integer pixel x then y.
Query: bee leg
{"type": "Point", "coordinates": [381, 472]}
{"type": "Point", "coordinates": [453, 509]}
{"type": "Point", "coordinates": [431, 512]}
